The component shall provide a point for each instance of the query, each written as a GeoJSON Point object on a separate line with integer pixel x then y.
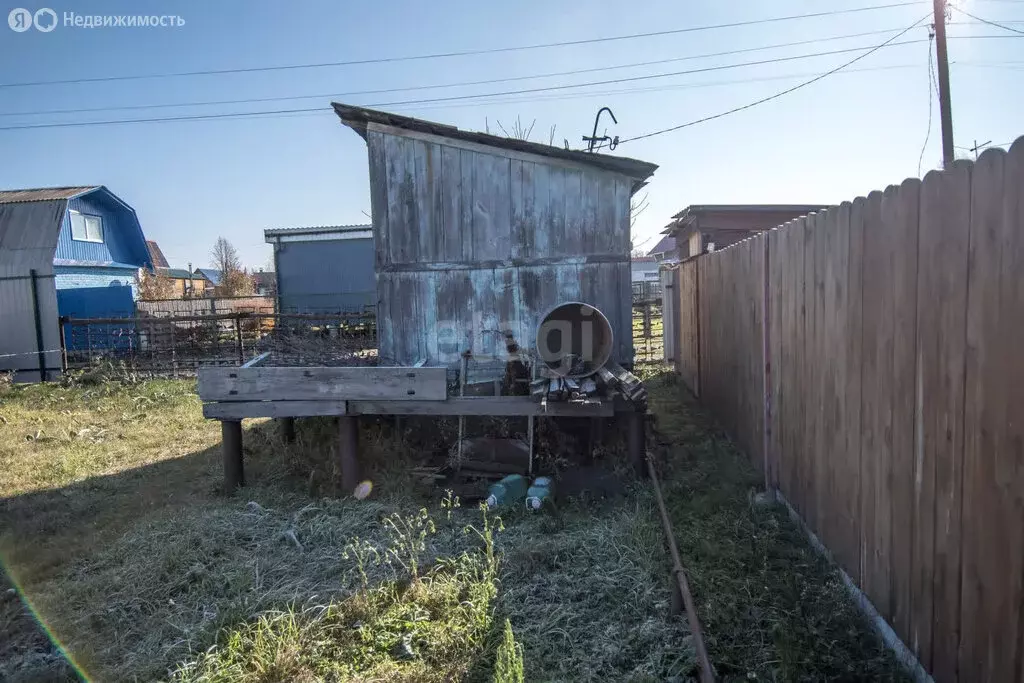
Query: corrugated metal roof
{"type": "Point", "coordinates": [665, 244]}
{"type": "Point", "coordinates": [179, 273]}
{"type": "Point", "coordinates": [211, 274]}
{"type": "Point", "coordinates": [315, 230]}
{"type": "Point", "coordinates": [28, 235]}
{"type": "Point", "coordinates": [727, 208]}
{"type": "Point", "coordinates": [44, 194]}
{"type": "Point", "coordinates": [357, 118]}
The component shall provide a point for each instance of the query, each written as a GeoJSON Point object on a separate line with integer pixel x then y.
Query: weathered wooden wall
{"type": "Point", "coordinates": [470, 244]}
{"type": "Point", "coordinates": [896, 386]}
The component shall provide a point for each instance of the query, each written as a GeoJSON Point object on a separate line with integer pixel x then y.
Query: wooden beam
{"type": "Point", "coordinates": [348, 452]}
{"type": "Point", "coordinates": [287, 425]}
{"type": "Point", "coordinates": [322, 383]}
{"type": "Point", "coordinates": [481, 405]}
{"type": "Point", "coordinates": [501, 406]}
{"type": "Point", "coordinates": [237, 410]}
{"type": "Point", "coordinates": [231, 436]}
{"type": "Point", "coordinates": [253, 362]}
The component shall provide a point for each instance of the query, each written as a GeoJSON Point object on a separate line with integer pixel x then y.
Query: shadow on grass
{"type": "Point", "coordinates": [142, 570]}
{"type": "Point", "coordinates": [47, 535]}
{"type": "Point", "coordinates": [772, 608]}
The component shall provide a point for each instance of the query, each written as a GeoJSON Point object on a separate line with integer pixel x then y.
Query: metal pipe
{"type": "Point", "coordinates": [707, 674]}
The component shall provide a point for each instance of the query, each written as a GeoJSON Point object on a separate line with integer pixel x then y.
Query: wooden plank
{"type": "Point", "coordinates": [843, 463]}
{"type": "Point", "coordinates": [805, 374]}
{"type": "Point", "coordinates": [939, 407]}
{"type": "Point", "coordinates": [776, 267]}
{"type": "Point", "coordinates": [877, 395]}
{"type": "Point", "coordinates": [322, 383]}
{"type": "Point", "coordinates": [854, 370]}
{"type": "Point", "coordinates": [993, 474]}
{"type": "Point", "coordinates": [451, 204]}
{"type": "Point", "coordinates": [401, 199]}
{"type": "Point", "coordinates": [904, 231]}
{"type": "Point", "coordinates": [830, 357]}
{"type": "Point", "coordinates": [575, 243]}
{"type": "Point", "coordinates": [482, 405]}
{"type": "Point", "coordinates": [256, 360]}
{"type": "Point", "coordinates": [238, 410]}
{"type": "Point", "coordinates": [492, 230]}
{"type": "Point", "coordinates": [379, 197]}
{"type": "Point", "coordinates": [817, 365]}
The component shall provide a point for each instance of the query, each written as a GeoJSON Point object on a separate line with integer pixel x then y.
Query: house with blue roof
{"type": "Point", "coordinates": [64, 251]}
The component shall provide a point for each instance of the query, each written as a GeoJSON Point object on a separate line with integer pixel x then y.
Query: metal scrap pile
{"type": "Point", "coordinates": [609, 379]}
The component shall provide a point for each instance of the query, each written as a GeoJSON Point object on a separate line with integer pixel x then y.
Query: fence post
{"type": "Point", "coordinates": [238, 340]}
{"type": "Point", "coordinates": [174, 352]}
{"type": "Point", "coordinates": [63, 344]}
{"type": "Point", "coordinates": [40, 351]}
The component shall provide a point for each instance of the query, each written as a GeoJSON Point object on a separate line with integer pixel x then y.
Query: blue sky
{"type": "Point", "coordinates": [191, 181]}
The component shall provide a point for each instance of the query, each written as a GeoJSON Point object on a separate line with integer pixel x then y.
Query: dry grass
{"type": "Point", "coordinates": [771, 608]}
{"type": "Point", "coordinates": [115, 529]}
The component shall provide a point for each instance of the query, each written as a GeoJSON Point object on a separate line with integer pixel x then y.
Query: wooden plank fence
{"type": "Point", "coordinates": [894, 388]}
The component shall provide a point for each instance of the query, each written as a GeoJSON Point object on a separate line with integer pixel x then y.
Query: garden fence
{"type": "Point", "coordinates": [868, 357]}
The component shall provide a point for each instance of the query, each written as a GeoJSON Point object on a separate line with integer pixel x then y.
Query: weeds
{"type": "Point", "coordinates": [509, 665]}
{"type": "Point", "coordinates": [429, 626]}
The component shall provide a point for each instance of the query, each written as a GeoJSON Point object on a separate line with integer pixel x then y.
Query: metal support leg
{"type": "Point", "coordinates": [637, 440]}
{"type": "Point", "coordinates": [348, 448]}
{"type": "Point", "coordinates": [234, 474]}
{"type": "Point", "coordinates": [287, 425]}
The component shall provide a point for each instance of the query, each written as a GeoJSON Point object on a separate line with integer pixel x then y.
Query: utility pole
{"type": "Point", "coordinates": [945, 111]}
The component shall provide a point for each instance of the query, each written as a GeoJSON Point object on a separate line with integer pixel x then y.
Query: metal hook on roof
{"type": "Point", "coordinates": [594, 139]}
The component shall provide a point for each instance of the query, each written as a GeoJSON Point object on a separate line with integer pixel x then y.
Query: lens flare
{"type": "Point", "coordinates": [31, 608]}
{"type": "Point", "coordinates": [363, 490]}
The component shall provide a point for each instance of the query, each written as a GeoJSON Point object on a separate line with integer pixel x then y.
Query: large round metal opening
{"type": "Point", "coordinates": [574, 339]}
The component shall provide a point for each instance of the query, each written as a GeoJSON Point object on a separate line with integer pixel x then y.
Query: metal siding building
{"type": "Point", "coordinates": [326, 269]}
{"type": "Point", "coordinates": [73, 277]}
{"type": "Point", "coordinates": [25, 245]}
{"type": "Point", "coordinates": [478, 236]}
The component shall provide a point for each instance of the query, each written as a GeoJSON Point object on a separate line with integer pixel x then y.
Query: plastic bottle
{"type": "Point", "coordinates": [511, 488]}
{"type": "Point", "coordinates": [540, 493]}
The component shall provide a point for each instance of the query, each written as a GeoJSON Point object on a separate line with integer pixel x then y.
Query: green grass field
{"type": "Point", "coordinates": [113, 528]}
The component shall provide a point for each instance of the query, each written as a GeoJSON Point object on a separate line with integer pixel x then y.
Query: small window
{"type": "Point", "coordinates": [86, 227]}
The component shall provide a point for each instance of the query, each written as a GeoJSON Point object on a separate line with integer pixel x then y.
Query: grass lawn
{"type": "Point", "coordinates": [113, 528]}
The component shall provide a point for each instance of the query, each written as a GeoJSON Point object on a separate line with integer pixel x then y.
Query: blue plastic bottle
{"type": "Point", "coordinates": [511, 488]}
{"type": "Point", "coordinates": [540, 493]}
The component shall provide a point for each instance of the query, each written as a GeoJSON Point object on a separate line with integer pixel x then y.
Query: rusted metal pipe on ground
{"type": "Point", "coordinates": [707, 674]}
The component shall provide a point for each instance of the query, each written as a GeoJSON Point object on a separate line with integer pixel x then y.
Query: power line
{"type": "Point", "coordinates": [524, 91]}
{"type": "Point", "coordinates": [380, 91]}
{"type": "Point", "coordinates": [778, 94]}
{"type": "Point", "coordinates": [465, 53]}
{"type": "Point", "coordinates": [295, 113]}
{"type": "Point", "coordinates": [931, 85]}
{"type": "Point", "coordinates": [507, 79]}
{"type": "Point", "coordinates": [986, 21]}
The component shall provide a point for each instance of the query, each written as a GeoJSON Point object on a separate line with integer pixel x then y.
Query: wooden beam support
{"type": "Point", "coordinates": [500, 406]}
{"type": "Point", "coordinates": [234, 473]}
{"type": "Point", "coordinates": [236, 410]}
{"type": "Point", "coordinates": [504, 406]}
{"type": "Point", "coordinates": [348, 452]}
{"type": "Point", "coordinates": [322, 383]}
{"type": "Point", "coordinates": [637, 440]}
{"type": "Point", "coordinates": [287, 425]}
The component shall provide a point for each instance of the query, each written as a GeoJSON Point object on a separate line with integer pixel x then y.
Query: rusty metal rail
{"type": "Point", "coordinates": [707, 674]}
